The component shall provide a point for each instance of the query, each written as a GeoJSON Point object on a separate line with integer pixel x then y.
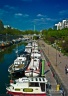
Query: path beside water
{"type": "Point", "coordinates": [53, 56]}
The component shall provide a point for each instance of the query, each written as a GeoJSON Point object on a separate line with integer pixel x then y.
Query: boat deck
{"type": "Point", "coordinates": [19, 66]}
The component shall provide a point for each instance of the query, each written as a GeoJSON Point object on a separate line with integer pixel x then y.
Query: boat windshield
{"type": "Point", "coordinates": [23, 62]}
{"type": "Point", "coordinates": [33, 84]}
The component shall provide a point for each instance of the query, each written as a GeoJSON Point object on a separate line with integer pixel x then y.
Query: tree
{"type": "Point", "coordinates": [1, 26]}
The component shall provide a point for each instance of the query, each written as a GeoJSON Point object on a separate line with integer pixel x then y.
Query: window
{"type": "Point", "coordinates": [28, 90]}
{"type": "Point", "coordinates": [17, 89]}
{"type": "Point", "coordinates": [34, 84]}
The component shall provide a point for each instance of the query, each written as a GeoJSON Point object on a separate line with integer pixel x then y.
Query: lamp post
{"type": "Point", "coordinates": [56, 55]}
{"type": "Point", "coordinates": [48, 50]}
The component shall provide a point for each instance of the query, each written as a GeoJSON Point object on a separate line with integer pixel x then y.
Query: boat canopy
{"type": "Point", "coordinates": [33, 79]}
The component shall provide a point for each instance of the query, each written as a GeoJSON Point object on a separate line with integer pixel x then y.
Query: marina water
{"type": "Point", "coordinates": [8, 59]}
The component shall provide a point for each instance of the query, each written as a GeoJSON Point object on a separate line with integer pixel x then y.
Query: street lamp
{"type": "Point", "coordinates": [56, 55]}
{"type": "Point", "coordinates": [48, 50]}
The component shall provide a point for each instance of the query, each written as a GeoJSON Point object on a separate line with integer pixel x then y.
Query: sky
{"type": "Point", "coordinates": [25, 14]}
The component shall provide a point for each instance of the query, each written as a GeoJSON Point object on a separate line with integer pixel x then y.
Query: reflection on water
{"type": "Point", "coordinates": [6, 51]}
{"type": "Point", "coordinates": [8, 37]}
{"type": "Point", "coordinates": [6, 59]}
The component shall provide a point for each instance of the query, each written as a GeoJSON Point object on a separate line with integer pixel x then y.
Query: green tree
{"type": "Point", "coordinates": [1, 26]}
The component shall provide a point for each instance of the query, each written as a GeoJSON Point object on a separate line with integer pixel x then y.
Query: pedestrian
{"type": "Point", "coordinates": [62, 91]}
{"type": "Point", "coordinates": [49, 64]}
{"type": "Point", "coordinates": [59, 55]}
{"type": "Point", "coordinates": [66, 69]}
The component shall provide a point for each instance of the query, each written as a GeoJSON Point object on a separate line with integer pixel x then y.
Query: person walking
{"type": "Point", "coordinates": [66, 69]}
{"type": "Point", "coordinates": [59, 55]}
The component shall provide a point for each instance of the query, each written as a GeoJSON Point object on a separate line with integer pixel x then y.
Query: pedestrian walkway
{"type": "Point", "coordinates": [48, 75]}
{"type": "Point", "coordinates": [58, 62]}
{"type": "Point", "coordinates": [53, 90]}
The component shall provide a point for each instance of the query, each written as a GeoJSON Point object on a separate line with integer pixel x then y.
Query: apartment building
{"type": "Point", "coordinates": [61, 25]}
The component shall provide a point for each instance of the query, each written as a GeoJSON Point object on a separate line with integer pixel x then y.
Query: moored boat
{"type": "Point", "coordinates": [35, 53]}
{"type": "Point", "coordinates": [28, 87]}
{"type": "Point", "coordinates": [28, 48]}
{"type": "Point", "coordinates": [34, 45]}
{"type": "Point", "coordinates": [20, 63]}
{"type": "Point", "coordinates": [34, 68]}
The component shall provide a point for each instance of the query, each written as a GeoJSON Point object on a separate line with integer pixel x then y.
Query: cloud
{"type": "Point", "coordinates": [20, 14]}
{"type": "Point", "coordinates": [44, 21]}
{"type": "Point", "coordinates": [39, 21]}
{"type": "Point", "coordinates": [9, 7]}
{"type": "Point", "coordinates": [44, 18]}
{"type": "Point", "coordinates": [63, 12]}
{"type": "Point", "coordinates": [40, 15]}
{"type": "Point", "coordinates": [50, 19]}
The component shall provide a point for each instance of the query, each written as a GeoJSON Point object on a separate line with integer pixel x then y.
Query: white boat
{"type": "Point", "coordinates": [28, 86]}
{"type": "Point", "coordinates": [34, 45]}
{"type": "Point", "coordinates": [35, 53]}
{"type": "Point", "coordinates": [28, 48]}
{"type": "Point", "coordinates": [34, 68]}
{"type": "Point", "coordinates": [19, 64]}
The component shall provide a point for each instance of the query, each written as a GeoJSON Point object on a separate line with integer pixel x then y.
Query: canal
{"type": "Point", "coordinates": [6, 59]}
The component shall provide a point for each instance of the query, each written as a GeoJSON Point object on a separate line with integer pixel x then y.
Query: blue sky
{"type": "Point", "coordinates": [24, 14]}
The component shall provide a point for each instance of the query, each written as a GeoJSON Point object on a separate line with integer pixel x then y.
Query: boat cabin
{"type": "Point", "coordinates": [26, 86]}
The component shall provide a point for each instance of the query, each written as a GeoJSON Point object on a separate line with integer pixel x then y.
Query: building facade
{"type": "Point", "coordinates": [61, 25]}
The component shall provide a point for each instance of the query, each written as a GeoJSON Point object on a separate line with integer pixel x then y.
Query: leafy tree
{"type": "Point", "coordinates": [1, 26]}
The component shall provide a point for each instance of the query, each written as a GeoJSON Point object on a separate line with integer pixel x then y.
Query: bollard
{"type": "Point", "coordinates": [58, 87]}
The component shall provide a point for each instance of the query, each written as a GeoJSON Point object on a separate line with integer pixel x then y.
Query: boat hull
{"type": "Point", "coordinates": [25, 94]}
